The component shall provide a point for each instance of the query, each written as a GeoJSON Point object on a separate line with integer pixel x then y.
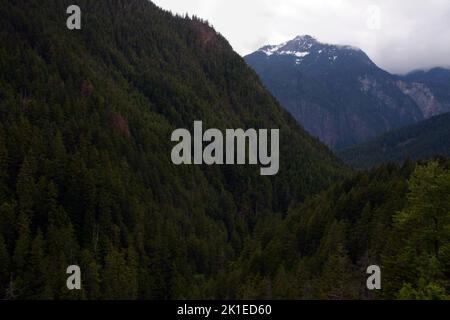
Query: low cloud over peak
{"type": "Point", "coordinates": [399, 36]}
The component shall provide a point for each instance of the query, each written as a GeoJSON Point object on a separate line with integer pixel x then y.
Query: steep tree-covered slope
{"type": "Point", "coordinates": [420, 141]}
{"type": "Point", "coordinates": [393, 217]}
{"type": "Point", "coordinates": [85, 170]}
{"type": "Point", "coordinates": [86, 176]}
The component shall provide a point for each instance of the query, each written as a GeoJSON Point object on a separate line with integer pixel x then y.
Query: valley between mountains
{"type": "Point", "coordinates": [86, 177]}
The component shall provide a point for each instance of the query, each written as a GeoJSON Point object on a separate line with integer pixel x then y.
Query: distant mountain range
{"type": "Point", "coordinates": [418, 142]}
{"type": "Point", "coordinates": [340, 96]}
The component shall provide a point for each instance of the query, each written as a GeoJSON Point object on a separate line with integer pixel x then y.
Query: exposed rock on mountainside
{"type": "Point", "coordinates": [338, 94]}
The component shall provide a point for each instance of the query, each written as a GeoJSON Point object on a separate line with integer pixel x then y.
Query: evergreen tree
{"type": "Point", "coordinates": [3, 168]}
{"type": "Point", "coordinates": [423, 229]}
{"type": "Point", "coordinates": [4, 267]}
{"type": "Point", "coordinates": [21, 254]}
{"type": "Point", "coordinates": [37, 271]}
{"type": "Point", "coordinates": [26, 185]}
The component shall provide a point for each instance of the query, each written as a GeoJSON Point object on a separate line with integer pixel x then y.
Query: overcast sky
{"type": "Point", "coordinates": [399, 35]}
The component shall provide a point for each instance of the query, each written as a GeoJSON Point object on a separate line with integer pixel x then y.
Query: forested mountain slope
{"type": "Point", "coordinates": [393, 217]}
{"type": "Point", "coordinates": [85, 170]}
{"type": "Point", "coordinates": [86, 176]}
{"type": "Point", "coordinates": [424, 140]}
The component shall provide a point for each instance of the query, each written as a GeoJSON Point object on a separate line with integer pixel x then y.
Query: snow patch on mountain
{"type": "Point", "coordinates": [270, 50]}
{"type": "Point", "coordinates": [294, 53]}
{"type": "Point", "coordinates": [302, 46]}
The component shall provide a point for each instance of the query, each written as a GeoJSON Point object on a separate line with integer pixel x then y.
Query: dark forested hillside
{"type": "Point", "coordinates": [86, 176]}
{"type": "Point", "coordinates": [420, 141]}
{"type": "Point", "coordinates": [85, 170]}
{"type": "Point", "coordinates": [393, 217]}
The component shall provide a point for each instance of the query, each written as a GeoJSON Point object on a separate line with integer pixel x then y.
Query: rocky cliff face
{"type": "Point", "coordinates": [423, 97]}
{"type": "Point", "coordinates": [429, 89]}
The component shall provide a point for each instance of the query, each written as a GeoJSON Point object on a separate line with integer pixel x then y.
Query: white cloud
{"type": "Point", "coordinates": [408, 34]}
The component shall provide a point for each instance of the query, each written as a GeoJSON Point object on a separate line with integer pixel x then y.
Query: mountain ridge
{"type": "Point", "coordinates": [338, 94]}
{"type": "Point", "coordinates": [421, 141]}
{"type": "Point", "coordinates": [85, 171]}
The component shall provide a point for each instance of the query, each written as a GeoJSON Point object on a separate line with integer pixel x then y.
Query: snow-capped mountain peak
{"type": "Point", "coordinates": [305, 45]}
{"type": "Point", "coordinates": [298, 47]}
{"type": "Point", "coordinates": [304, 41]}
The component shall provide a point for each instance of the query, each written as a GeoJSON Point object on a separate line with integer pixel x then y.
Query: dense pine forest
{"type": "Point", "coordinates": [86, 176]}
{"type": "Point", "coordinates": [394, 217]}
